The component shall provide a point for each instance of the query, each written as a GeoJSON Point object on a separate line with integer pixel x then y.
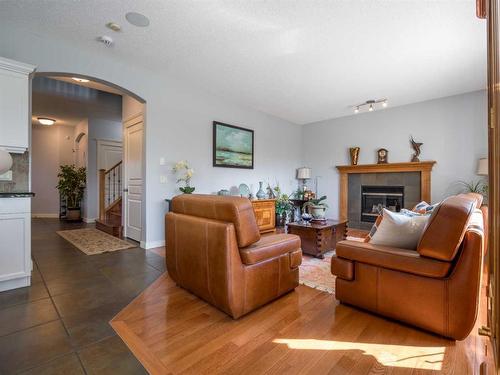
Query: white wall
{"type": "Point", "coordinates": [453, 130]}
{"type": "Point", "coordinates": [178, 121]}
{"type": "Point", "coordinates": [51, 147]}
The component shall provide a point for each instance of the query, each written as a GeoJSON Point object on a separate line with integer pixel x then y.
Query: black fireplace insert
{"type": "Point", "coordinates": [375, 198]}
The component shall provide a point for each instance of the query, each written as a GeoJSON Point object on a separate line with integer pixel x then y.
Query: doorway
{"type": "Point", "coordinates": [97, 142]}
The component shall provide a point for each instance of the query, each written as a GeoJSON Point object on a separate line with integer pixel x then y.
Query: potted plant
{"type": "Point", "coordinates": [316, 207]}
{"type": "Point", "coordinates": [283, 207]}
{"type": "Point", "coordinates": [71, 186]}
{"type": "Point", "coordinates": [185, 177]}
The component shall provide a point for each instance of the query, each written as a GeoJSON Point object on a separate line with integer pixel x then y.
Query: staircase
{"type": "Point", "coordinates": [110, 201]}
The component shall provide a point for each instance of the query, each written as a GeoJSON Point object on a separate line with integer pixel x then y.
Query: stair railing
{"type": "Point", "coordinates": [110, 188]}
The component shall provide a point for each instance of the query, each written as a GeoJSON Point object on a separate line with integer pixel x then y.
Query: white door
{"type": "Point", "coordinates": [109, 153]}
{"type": "Point", "coordinates": [133, 141]}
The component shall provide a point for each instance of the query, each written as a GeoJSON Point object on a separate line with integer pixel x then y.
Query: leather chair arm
{"type": "Point", "coordinates": [402, 260]}
{"type": "Point", "coordinates": [271, 246]}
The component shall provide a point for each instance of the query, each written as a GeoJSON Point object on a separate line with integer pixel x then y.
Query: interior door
{"type": "Point", "coordinates": [134, 182]}
{"type": "Point", "coordinates": [109, 153]}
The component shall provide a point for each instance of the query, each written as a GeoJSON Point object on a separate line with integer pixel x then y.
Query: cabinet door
{"type": "Point", "coordinates": [14, 109]}
{"type": "Point", "coordinates": [14, 246]}
{"type": "Point", "coordinates": [264, 215]}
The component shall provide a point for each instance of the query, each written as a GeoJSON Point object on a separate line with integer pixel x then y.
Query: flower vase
{"type": "Point", "coordinates": [261, 194]}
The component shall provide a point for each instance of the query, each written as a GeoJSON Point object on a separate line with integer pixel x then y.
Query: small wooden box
{"type": "Point", "coordinates": [265, 214]}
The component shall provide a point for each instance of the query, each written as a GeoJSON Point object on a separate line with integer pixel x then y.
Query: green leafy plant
{"type": "Point", "coordinates": [283, 204]}
{"type": "Point", "coordinates": [71, 185]}
{"type": "Point", "coordinates": [479, 187]}
{"type": "Point", "coordinates": [318, 202]}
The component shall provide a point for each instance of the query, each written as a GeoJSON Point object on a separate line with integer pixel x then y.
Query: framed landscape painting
{"type": "Point", "coordinates": [233, 146]}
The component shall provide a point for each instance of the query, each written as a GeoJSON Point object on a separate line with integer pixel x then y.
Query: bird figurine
{"type": "Point", "coordinates": [416, 147]}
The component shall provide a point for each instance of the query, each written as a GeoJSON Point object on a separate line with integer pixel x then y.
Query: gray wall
{"type": "Point", "coordinates": [51, 146]}
{"type": "Point", "coordinates": [453, 129]}
{"type": "Point", "coordinates": [178, 121]}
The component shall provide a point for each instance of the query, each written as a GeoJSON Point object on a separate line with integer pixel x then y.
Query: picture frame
{"type": "Point", "coordinates": [233, 146]}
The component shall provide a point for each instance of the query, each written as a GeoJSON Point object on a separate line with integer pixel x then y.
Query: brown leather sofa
{"type": "Point", "coordinates": [215, 251]}
{"type": "Point", "coordinates": [436, 287]}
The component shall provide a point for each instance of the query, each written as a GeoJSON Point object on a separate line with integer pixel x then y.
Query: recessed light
{"type": "Point", "coordinates": [82, 80]}
{"type": "Point", "coordinates": [137, 19]}
{"type": "Point", "coordinates": [46, 121]}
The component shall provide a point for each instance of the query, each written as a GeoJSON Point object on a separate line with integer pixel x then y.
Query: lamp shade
{"type": "Point", "coordinates": [5, 161]}
{"type": "Point", "coordinates": [482, 167]}
{"type": "Point", "coordinates": [303, 173]}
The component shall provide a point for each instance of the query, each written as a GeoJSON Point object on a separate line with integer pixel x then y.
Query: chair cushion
{"type": "Point", "coordinates": [446, 227]}
{"type": "Point", "coordinates": [392, 258]}
{"type": "Point", "coordinates": [270, 246]}
{"type": "Point", "coordinates": [236, 210]}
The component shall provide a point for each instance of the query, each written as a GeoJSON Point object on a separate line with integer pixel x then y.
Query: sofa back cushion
{"type": "Point", "coordinates": [446, 227]}
{"type": "Point", "coordinates": [236, 210]}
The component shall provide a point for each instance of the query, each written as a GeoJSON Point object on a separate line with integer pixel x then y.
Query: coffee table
{"type": "Point", "coordinates": [319, 237]}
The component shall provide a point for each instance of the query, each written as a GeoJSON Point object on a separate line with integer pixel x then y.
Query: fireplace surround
{"type": "Point", "coordinates": [415, 177]}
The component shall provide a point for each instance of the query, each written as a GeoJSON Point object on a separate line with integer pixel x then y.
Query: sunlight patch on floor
{"type": "Point", "coordinates": [419, 357]}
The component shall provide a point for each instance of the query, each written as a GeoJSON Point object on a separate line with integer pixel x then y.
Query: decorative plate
{"type": "Point", "coordinates": [244, 190]}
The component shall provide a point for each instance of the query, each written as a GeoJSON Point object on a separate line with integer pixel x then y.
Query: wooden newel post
{"type": "Point", "coordinates": [102, 188]}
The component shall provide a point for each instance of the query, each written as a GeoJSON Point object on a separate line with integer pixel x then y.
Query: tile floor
{"type": "Point", "coordinates": [59, 325]}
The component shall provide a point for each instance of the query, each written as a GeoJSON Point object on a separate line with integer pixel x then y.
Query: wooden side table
{"type": "Point", "coordinates": [320, 237]}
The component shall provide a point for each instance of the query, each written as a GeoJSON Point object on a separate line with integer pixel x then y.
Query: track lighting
{"type": "Point", "coordinates": [371, 105]}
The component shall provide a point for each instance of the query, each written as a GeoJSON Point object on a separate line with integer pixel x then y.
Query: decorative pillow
{"type": "Point", "coordinates": [399, 230]}
{"type": "Point", "coordinates": [374, 228]}
{"type": "Point", "coordinates": [424, 207]}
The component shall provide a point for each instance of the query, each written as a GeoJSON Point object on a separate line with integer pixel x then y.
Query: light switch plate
{"type": "Point", "coordinates": [163, 179]}
{"type": "Point", "coordinates": [162, 161]}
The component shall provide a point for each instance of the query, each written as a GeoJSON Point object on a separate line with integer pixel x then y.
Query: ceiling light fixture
{"type": "Point", "coordinates": [81, 80]}
{"type": "Point", "coordinates": [46, 121]}
{"type": "Point", "coordinates": [372, 105]}
{"type": "Point", "coordinates": [137, 19]}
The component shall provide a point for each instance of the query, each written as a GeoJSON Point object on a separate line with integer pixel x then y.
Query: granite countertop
{"type": "Point", "coordinates": [17, 194]}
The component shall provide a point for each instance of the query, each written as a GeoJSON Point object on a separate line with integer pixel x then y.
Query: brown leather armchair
{"type": "Point", "coordinates": [436, 287]}
{"type": "Point", "coordinates": [215, 251]}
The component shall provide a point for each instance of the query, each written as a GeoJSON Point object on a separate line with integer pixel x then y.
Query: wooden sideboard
{"type": "Point", "coordinates": [265, 214]}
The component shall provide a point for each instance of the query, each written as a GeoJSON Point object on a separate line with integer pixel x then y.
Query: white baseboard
{"type": "Point", "coordinates": [88, 220]}
{"type": "Point", "coordinates": [45, 216]}
{"type": "Point", "coordinates": [152, 244]}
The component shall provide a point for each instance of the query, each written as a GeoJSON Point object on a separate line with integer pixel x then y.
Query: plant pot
{"type": "Point", "coordinates": [281, 220]}
{"type": "Point", "coordinates": [317, 212]}
{"type": "Point", "coordinates": [74, 214]}
{"type": "Point", "coordinates": [187, 189]}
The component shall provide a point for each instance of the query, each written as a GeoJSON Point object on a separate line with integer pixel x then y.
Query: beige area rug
{"type": "Point", "coordinates": [92, 241]}
{"type": "Point", "coordinates": [315, 273]}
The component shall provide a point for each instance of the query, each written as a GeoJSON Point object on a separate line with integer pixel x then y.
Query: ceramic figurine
{"type": "Point", "coordinates": [416, 147]}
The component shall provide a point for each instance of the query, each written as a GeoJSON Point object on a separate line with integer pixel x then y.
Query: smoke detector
{"type": "Point", "coordinates": [106, 40]}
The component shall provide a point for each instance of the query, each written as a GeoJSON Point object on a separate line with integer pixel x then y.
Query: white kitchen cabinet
{"type": "Point", "coordinates": [15, 243]}
{"type": "Point", "coordinates": [15, 105]}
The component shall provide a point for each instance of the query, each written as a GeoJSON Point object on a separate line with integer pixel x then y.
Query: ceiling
{"type": "Point", "coordinates": [302, 60]}
{"type": "Point", "coordinates": [69, 103]}
{"type": "Point", "coordinates": [90, 84]}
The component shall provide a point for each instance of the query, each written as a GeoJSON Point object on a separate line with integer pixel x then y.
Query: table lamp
{"type": "Point", "coordinates": [482, 167]}
{"type": "Point", "coordinates": [303, 174]}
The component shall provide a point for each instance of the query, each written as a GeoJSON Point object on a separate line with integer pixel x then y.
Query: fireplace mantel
{"type": "Point", "coordinates": [424, 167]}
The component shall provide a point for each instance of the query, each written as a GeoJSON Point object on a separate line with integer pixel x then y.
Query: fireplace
{"type": "Point", "coordinates": [375, 198]}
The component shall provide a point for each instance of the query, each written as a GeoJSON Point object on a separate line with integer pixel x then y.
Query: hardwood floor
{"type": "Point", "coordinates": [305, 332]}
